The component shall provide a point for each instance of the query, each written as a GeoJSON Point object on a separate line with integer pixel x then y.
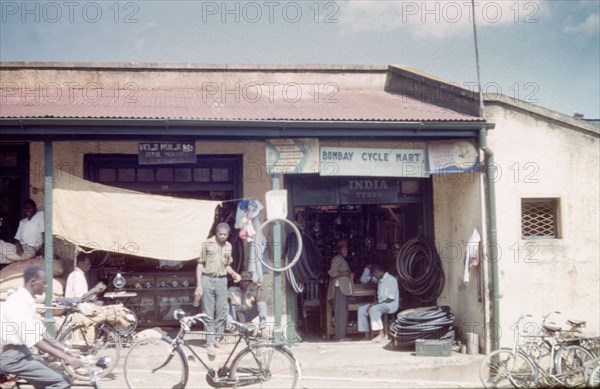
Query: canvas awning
{"type": "Point", "coordinates": [102, 217]}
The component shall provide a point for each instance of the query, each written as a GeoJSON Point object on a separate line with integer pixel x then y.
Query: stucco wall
{"type": "Point", "coordinates": [539, 158]}
{"type": "Point", "coordinates": [457, 212]}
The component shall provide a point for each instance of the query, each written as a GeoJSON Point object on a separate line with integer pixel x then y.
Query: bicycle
{"type": "Point", "coordinates": [10, 381]}
{"type": "Point", "coordinates": [100, 339]}
{"type": "Point", "coordinates": [541, 359]}
{"type": "Point", "coordinates": [163, 363]}
{"type": "Point", "coordinates": [593, 373]}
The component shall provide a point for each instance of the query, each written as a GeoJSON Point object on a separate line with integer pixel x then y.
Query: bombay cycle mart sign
{"type": "Point", "coordinates": [345, 161]}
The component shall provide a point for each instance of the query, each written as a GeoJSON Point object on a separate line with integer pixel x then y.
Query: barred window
{"type": "Point", "coordinates": [539, 218]}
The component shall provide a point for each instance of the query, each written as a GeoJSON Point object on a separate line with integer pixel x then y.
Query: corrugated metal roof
{"type": "Point", "coordinates": [287, 102]}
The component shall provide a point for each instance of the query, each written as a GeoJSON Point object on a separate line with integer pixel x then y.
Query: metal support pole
{"type": "Point", "coordinates": [48, 245]}
{"type": "Point", "coordinates": [277, 332]}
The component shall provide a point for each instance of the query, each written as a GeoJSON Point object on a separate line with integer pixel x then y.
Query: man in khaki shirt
{"type": "Point", "coordinates": [214, 264]}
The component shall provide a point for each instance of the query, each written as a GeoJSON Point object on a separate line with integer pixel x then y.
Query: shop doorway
{"type": "Point", "coordinates": [14, 184]}
{"type": "Point", "coordinates": [376, 216]}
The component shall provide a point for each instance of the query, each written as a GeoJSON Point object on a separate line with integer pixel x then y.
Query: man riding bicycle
{"type": "Point", "coordinates": [22, 328]}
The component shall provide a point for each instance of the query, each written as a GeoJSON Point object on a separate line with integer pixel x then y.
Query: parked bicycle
{"type": "Point", "coordinates": [163, 363]}
{"type": "Point", "coordinates": [12, 381]}
{"type": "Point", "coordinates": [593, 373]}
{"type": "Point", "coordinates": [544, 358]}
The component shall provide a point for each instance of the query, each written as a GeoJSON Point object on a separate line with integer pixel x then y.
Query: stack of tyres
{"type": "Point", "coordinates": [423, 323]}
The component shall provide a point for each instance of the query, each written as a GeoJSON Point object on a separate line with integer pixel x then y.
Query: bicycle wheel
{"type": "Point", "coordinates": [570, 363]}
{"type": "Point", "coordinates": [100, 341]}
{"type": "Point", "coordinates": [265, 366]}
{"type": "Point", "coordinates": [298, 250]}
{"type": "Point", "coordinates": [155, 363]}
{"type": "Point", "coordinates": [593, 380]}
{"type": "Point", "coordinates": [505, 369]}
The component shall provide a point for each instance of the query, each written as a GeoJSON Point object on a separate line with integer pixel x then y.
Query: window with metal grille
{"type": "Point", "coordinates": [539, 218]}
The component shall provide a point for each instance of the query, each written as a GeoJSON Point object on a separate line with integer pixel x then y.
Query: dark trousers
{"type": "Point", "coordinates": [19, 361]}
{"type": "Point", "coordinates": [340, 313]}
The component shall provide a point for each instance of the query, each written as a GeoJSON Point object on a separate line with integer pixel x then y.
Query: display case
{"type": "Point", "coordinates": [158, 295]}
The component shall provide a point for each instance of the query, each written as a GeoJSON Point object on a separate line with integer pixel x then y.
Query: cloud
{"type": "Point", "coordinates": [437, 19]}
{"type": "Point", "coordinates": [590, 26]}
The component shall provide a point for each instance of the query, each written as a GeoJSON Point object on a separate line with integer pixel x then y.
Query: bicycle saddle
{"type": "Point", "coordinates": [552, 327]}
{"type": "Point", "coordinates": [244, 329]}
{"type": "Point", "coordinates": [576, 323]}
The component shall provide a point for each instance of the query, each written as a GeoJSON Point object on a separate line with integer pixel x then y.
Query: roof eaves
{"type": "Point", "coordinates": [115, 66]}
{"type": "Point", "coordinates": [571, 122]}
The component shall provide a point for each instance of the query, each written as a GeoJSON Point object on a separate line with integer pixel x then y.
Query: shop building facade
{"type": "Point", "coordinates": [383, 136]}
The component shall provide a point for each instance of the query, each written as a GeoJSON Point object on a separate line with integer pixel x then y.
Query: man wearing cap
{"type": "Point", "coordinates": [245, 301]}
{"type": "Point", "coordinates": [214, 264]}
{"type": "Point", "coordinates": [340, 287]}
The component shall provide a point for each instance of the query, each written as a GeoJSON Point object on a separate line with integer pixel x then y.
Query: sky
{"type": "Point", "coordinates": [545, 52]}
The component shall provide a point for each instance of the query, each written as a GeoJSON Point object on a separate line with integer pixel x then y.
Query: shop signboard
{"type": "Point", "coordinates": [292, 156]}
{"type": "Point", "coordinates": [154, 153]}
{"type": "Point", "coordinates": [452, 156]}
{"type": "Point", "coordinates": [346, 161]}
{"type": "Point", "coordinates": [368, 190]}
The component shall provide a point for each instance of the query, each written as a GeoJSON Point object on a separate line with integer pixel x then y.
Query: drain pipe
{"type": "Point", "coordinates": [490, 186]}
{"type": "Point", "coordinates": [490, 179]}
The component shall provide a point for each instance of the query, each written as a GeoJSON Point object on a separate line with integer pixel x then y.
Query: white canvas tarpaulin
{"type": "Point", "coordinates": [107, 218]}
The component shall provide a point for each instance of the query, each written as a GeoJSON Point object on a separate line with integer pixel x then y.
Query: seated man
{"type": "Point", "coordinates": [29, 237]}
{"type": "Point", "coordinates": [77, 286]}
{"type": "Point", "coordinates": [22, 328]}
{"type": "Point", "coordinates": [388, 301]}
{"type": "Point", "coordinates": [245, 302]}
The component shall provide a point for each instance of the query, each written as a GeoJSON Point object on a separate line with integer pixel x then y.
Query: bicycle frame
{"type": "Point", "coordinates": [228, 373]}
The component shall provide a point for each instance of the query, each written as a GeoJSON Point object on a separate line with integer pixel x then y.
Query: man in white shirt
{"type": "Point", "coordinates": [77, 285]}
{"type": "Point", "coordinates": [29, 237]}
{"type": "Point", "coordinates": [388, 301]}
{"type": "Point", "coordinates": [22, 328]}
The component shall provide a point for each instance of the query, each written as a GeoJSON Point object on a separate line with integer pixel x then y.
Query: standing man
{"type": "Point", "coordinates": [388, 301]}
{"type": "Point", "coordinates": [340, 287]}
{"type": "Point", "coordinates": [77, 285]}
{"type": "Point", "coordinates": [214, 264]}
{"type": "Point", "coordinates": [22, 328]}
{"type": "Point", "coordinates": [29, 237]}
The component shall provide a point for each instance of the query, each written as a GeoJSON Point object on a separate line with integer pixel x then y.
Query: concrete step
{"type": "Point", "coordinates": [368, 360]}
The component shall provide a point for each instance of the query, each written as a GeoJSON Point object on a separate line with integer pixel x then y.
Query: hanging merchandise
{"type": "Point", "coordinates": [420, 269]}
{"type": "Point", "coordinates": [471, 254]}
{"type": "Point", "coordinates": [247, 220]}
{"type": "Point", "coordinates": [277, 207]}
{"type": "Point", "coordinates": [308, 266]}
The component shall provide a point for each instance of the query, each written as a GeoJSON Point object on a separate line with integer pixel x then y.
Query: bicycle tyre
{"type": "Point", "coordinates": [505, 369]}
{"type": "Point", "coordinates": [570, 363]}
{"type": "Point", "coordinates": [155, 363]}
{"type": "Point", "coordinates": [593, 379]}
{"type": "Point", "coordinates": [298, 249]}
{"type": "Point", "coordinates": [265, 366]}
{"type": "Point", "coordinates": [105, 344]}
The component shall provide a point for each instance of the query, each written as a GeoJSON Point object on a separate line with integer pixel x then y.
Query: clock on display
{"type": "Point", "coordinates": [465, 154]}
